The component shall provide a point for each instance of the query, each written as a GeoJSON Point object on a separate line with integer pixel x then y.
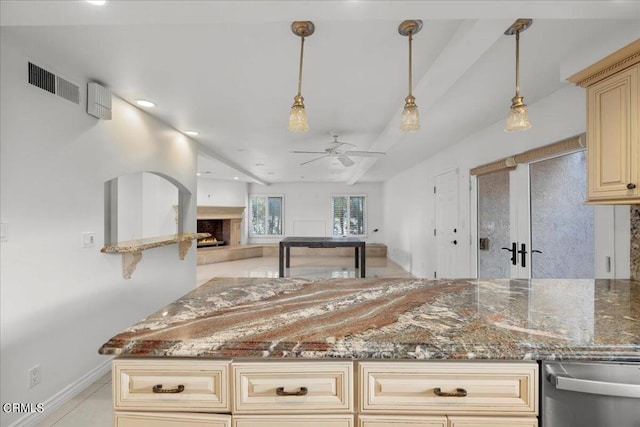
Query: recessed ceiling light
{"type": "Point", "coordinates": [235, 177]}
{"type": "Point", "coordinates": [198, 174]}
{"type": "Point", "coordinates": [97, 2]}
{"type": "Point", "coordinates": [145, 103]}
{"type": "Point", "coordinates": [192, 132]}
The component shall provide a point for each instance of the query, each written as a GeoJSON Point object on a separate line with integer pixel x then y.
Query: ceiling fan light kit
{"type": "Point", "coordinates": [410, 119]}
{"type": "Point", "coordinates": [518, 118]}
{"type": "Point", "coordinates": [298, 115]}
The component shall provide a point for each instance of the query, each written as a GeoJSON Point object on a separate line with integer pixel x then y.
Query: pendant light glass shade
{"type": "Point", "coordinates": [518, 118]}
{"type": "Point", "coordinates": [410, 119]}
{"type": "Point", "coordinates": [298, 115]}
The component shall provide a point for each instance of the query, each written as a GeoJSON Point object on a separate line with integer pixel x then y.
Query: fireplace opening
{"type": "Point", "coordinates": [215, 227]}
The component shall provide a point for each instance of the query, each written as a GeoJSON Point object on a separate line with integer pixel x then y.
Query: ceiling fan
{"type": "Point", "coordinates": [335, 152]}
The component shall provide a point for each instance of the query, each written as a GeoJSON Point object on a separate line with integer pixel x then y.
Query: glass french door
{"type": "Point", "coordinates": [532, 222]}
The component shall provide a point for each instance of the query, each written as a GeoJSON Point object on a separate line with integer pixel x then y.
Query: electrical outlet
{"type": "Point", "coordinates": [88, 239]}
{"type": "Point", "coordinates": [34, 375]}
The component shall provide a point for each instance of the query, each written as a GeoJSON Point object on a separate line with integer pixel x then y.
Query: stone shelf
{"type": "Point", "coordinates": [131, 250]}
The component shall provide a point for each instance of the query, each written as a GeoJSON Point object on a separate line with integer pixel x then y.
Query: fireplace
{"type": "Point", "coordinates": [217, 228]}
{"type": "Point", "coordinates": [222, 222]}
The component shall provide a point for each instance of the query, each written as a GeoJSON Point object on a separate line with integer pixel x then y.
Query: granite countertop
{"type": "Point", "coordinates": [383, 318]}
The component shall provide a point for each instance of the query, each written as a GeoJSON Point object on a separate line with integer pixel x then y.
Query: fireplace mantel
{"type": "Point", "coordinates": [220, 212]}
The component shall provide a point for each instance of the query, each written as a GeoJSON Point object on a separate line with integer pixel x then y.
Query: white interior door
{"type": "Point", "coordinates": [447, 214]}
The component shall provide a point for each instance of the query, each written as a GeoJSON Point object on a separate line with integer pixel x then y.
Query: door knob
{"type": "Point", "coordinates": [631, 186]}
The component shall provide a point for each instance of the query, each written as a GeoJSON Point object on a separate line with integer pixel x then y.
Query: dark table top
{"type": "Point", "coordinates": [321, 240]}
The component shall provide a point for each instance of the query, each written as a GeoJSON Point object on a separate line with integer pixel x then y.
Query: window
{"type": "Point", "coordinates": [265, 215]}
{"type": "Point", "coordinates": [349, 215]}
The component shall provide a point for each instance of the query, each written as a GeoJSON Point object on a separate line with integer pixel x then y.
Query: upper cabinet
{"type": "Point", "coordinates": [613, 138]}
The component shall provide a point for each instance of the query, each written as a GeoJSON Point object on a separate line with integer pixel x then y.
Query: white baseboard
{"type": "Point", "coordinates": [56, 401]}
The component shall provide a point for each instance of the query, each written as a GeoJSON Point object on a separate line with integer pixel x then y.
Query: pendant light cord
{"type": "Point", "coordinates": [300, 70]}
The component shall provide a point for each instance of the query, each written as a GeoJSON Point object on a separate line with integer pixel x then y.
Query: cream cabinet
{"type": "Point", "coordinates": [499, 394]}
{"type": "Point", "coordinates": [163, 419]}
{"type": "Point", "coordinates": [613, 117]}
{"type": "Point", "coordinates": [321, 393]}
{"type": "Point", "coordinates": [293, 387]}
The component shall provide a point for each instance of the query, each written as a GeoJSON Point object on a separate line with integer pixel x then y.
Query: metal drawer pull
{"type": "Point", "coordinates": [158, 389]}
{"type": "Point", "coordinates": [460, 392]}
{"type": "Point", "coordinates": [301, 392]}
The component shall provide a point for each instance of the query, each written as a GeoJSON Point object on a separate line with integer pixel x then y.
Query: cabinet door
{"type": "Point", "coordinates": [293, 421]}
{"type": "Point", "coordinates": [234, 240]}
{"type": "Point", "coordinates": [492, 422]}
{"type": "Point", "coordinates": [171, 385]}
{"type": "Point", "coordinates": [145, 419]}
{"type": "Point", "coordinates": [401, 421]}
{"type": "Point", "coordinates": [293, 387]}
{"type": "Point", "coordinates": [506, 388]}
{"type": "Point", "coordinates": [613, 144]}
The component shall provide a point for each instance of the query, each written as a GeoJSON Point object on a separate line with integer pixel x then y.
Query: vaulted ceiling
{"type": "Point", "coordinates": [229, 69]}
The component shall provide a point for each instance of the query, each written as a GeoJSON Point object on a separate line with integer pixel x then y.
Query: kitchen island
{"type": "Point", "coordinates": [245, 334]}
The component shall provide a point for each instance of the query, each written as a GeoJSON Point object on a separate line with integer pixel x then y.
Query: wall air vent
{"type": "Point", "coordinates": [42, 78]}
{"type": "Point", "coordinates": [99, 101]}
{"type": "Point", "coordinates": [48, 81]}
{"type": "Point", "coordinates": [68, 90]}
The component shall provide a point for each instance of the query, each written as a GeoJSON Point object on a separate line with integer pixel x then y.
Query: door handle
{"type": "Point", "coordinates": [523, 254]}
{"type": "Point", "coordinates": [564, 381]}
{"type": "Point", "coordinates": [513, 259]}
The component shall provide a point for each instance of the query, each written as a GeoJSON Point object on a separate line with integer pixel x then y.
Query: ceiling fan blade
{"type": "Point", "coordinates": [364, 153]}
{"type": "Point", "coordinates": [309, 152]}
{"type": "Point", "coordinates": [346, 162]}
{"type": "Point", "coordinates": [313, 160]}
{"type": "Point", "coordinates": [340, 144]}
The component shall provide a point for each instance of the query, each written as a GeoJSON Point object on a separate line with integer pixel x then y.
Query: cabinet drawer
{"type": "Point", "coordinates": [133, 419]}
{"type": "Point", "coordinates": [293, 421]}
{"type": "Point", "coordinates": [197, 385]}
{"type": "Point", "coordinates": [413, 388]}
{"type": "Point", "coordinates": [295, 387]}
{"type": "Point", "coordinates": [492, 422]}
{"type": "Point", "coordinates": [401, 420]}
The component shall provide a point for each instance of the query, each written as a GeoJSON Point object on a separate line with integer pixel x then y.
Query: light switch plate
{"type": "Point", "coordinates": [88, 239]}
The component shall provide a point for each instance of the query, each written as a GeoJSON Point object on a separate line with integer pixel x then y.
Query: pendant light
{"type": "Point", "coordinates": [410, 120]}
{"type": "Point", "coordinates": [298, 115]}
{"type": "Point", "coordinates": [518, 118]}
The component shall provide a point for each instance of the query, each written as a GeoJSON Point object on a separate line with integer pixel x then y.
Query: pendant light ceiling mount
{"type": "Point", "coordinates": [410, 120]}
{"type": "Point", "coordinates": [518, 118]}
{"type": "Point", "coordinates": [302, 28]}
{"type": "Point", "coordinates": [298, 115]}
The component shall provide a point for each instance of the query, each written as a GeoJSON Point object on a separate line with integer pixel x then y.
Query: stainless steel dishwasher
{"type": "Point", "coordinates": [590, 394]}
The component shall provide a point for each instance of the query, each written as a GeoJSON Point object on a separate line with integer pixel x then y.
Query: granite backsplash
{"type": "Point", "coordinates": [635, 242]}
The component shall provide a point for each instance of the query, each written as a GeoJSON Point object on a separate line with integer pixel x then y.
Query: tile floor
{"type": "Point", "coordinates": [92, 407]}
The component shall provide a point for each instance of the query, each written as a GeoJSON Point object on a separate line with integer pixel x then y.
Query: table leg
{"type": "Point", "coordinates": [281, 261]}
{"type": "Point", "coordinates": [362, 261]}
{"type": "Point", "coordinates": [288, 256]}
{"type": "Point", "coordinates": [357, 256]}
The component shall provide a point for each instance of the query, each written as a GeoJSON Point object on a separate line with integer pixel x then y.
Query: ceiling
{"type": "Point", "coordinates": [228, 69]}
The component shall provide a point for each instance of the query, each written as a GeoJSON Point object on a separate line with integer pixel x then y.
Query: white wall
{"type": "Point", "coordinates": [59, 302]}
{"type": "Point", "coordinates": [558, 116]}
{"type": "Point", "coordinates": [309, 204]}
